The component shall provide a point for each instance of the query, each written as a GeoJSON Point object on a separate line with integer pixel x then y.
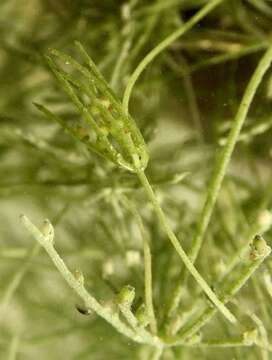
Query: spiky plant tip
{"type": "Point", "coordinates": [108, 130]}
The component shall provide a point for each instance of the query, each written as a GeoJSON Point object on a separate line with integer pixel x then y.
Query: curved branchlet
{"type": "Point", "coordinates": [75, 280]}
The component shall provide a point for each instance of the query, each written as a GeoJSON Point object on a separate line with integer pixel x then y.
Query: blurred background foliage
{"type": "Point", "coordinates": [184, 104]}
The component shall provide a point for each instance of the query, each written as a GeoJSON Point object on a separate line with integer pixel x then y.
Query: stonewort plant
{"type": "Point", "coordinates": [168, 250]}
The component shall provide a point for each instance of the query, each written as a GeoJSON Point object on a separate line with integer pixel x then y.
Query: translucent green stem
{"type": "Point", "coordinates": [172, 237]}
{"type": "Point", "coordinates": [14, 348]}
{"type": "Point", "coordinates": [163, 45]}
{"type": "Point", "coordinates": [225, 156]}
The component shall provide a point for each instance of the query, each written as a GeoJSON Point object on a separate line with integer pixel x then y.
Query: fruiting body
{"type": "Point", "coordinates": [103, 126]}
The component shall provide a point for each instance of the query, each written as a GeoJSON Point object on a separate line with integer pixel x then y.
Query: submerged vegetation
{"type": "Point", "coordinates": [142, 130]}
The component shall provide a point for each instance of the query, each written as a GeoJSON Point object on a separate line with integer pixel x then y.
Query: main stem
{"type": "Point", "coordinates": [172, 237]}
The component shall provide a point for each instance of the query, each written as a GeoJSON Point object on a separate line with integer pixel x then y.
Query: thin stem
{"type": "Point", "coordinates": [182, 71]}
{"type": "Point", "coordinates": [222, 58]}
{"type": "Point", "coordinates": [147, 268]}
{"type": "Point", "coordinates": [144, 37]}
{"type": "Point", "coordinates": [128, 32]}
{"type": "Point", "coordinates": [225, 156]}
{"type": "Point", "coordinates": [148, 286]}
{"type": "Point", "coordinates": [157, 354]}
{"type": "Point", "coordinates": [14, 347]}
{"type": "Point", "coordinates": [172, 237]}
{"type": "Point", "coordinates": [79, 288]}
{"type": "Point", "coordinates": [163, 45]}
{"type": "Point", "coordinates": [222, 343]}
{"type": "Point", "coordinates": [120, 62]}
{"type": "Point", "coordinates": [23, 269]}
{"type": "Point", "coordinates": [17, 278]}
{"type": "Point", "coordinates": [264, 344]}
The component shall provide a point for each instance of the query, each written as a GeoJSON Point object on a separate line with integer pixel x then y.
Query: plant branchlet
{"type": "Point", "coordinates": [103, 126]}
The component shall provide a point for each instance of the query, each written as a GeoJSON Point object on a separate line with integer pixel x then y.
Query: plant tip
{"type": "Point", "coordinates": [259, 248]}
{"type": "Point", "coordinates": [126, 296]}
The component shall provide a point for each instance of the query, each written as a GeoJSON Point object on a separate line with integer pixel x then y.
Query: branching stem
{"type": "Point", "coordinates": [220, 171]}
{"type": "Point", "coordinates": [232, 288]}
{"type": "Point", "coordinates": [172, 237]}
{"type": "Point", "coordinates": [79, 288]}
